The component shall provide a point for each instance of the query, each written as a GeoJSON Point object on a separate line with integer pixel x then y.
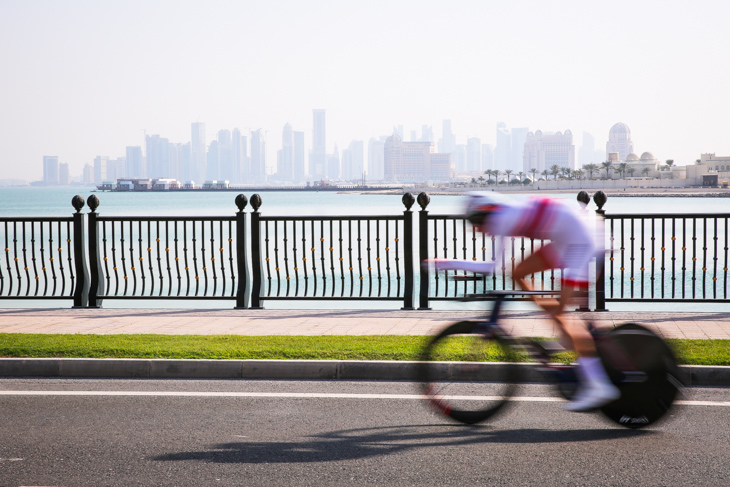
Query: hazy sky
{"type": "Point", "coordinates": [86, 78]}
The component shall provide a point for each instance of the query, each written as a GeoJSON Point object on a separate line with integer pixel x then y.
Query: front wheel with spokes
{"type": "Point", "coordinates": [454, 375]}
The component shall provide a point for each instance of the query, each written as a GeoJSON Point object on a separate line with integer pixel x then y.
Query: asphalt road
{"type": "Point", "coordinates": [76, 432]}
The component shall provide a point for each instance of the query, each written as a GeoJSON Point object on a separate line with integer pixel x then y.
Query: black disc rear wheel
{"type": "Point", "coordinates": [644, 368]}
{"type": "Point", "coordinates": [455, 378]}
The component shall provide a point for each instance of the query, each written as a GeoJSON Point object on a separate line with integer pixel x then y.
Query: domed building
{"type": "Point", "coordinates": [639, 164]}
{"type": "Point", "coordinates": [619, 141]}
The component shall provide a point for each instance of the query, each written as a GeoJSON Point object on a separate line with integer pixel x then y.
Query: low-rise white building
{"type": "Point", "coordinates": [709, 164]}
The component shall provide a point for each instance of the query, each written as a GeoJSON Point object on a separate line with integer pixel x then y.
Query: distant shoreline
{"type": "Point", "coordinates": [613, 193]}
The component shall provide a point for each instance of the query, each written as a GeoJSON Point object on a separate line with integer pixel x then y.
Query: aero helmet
{"type": "Point", "coordinates": [480, 205]}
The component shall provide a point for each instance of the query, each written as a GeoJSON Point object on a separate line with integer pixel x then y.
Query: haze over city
{"type": "Point", "coordinates": [83, 79]}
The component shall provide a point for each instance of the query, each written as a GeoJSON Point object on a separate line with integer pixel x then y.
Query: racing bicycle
{"type": "Point", "coordinates": [467, 390]}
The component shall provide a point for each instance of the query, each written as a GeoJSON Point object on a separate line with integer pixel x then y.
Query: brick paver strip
{"type": "Point", "coordinates": [329, 322]}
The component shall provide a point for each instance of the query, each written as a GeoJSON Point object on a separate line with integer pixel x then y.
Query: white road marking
{"type": "Point", "coordinates": [308, 395]}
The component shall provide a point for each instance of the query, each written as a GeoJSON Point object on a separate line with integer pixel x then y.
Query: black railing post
{"type": "Point", "coordinates": [242, 294]}
{"type": "Point", "coordinates": [256, 252]}
{"type": "Point", "coordinates": [423, 201]}
{"type": "Point", "coordinates": [584, 295]}
{"type": "Point", "coordinates": [96, 287]}
{"type": "Point", "coordinates": [408, 243]}
{"type": "Point", "coordinates": [600, 199]}
{"type": "Point", "coordinates": [81, 291]}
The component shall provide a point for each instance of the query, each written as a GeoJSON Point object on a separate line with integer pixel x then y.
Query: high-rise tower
{"type": "Point", "coordinates": [198, 152]}
{"type": "Point", "coordinates": [318, 156]}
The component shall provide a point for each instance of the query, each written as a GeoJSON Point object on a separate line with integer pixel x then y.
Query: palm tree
{"type": "Point", "coordinates": [632, 170]}
{"type": "Point", "coordinates": [566, 172]}
{"type": "Point", "coordinates": [591, 168]}
{"type": "Point", "coordinates": [545, 173]}
{"type": "Point", "coordinates": [607, 166]}
{"type": "Point", "coordinates": [555, 170]}
{"type": "Point", "coordinates": [534, 171]}
{"type": "Point", "coordinates": [507, 172]}
{"type": "Point", "coordinates": [488, 172]}
{"type": "Point", "coordinates": [621, 168]}
{"type": "Point", "coordinates": [521, 173]}
{"type": "Point", "coordinates": [645, 171]}
{"type": "Point", "coordinates": [670, 162]}
{"type": "Point", "coordinates": [578, 173]}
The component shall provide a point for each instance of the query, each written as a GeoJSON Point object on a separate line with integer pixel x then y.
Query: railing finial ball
{"type": "Point", "coordinates": [600, 199]}
{"type": "Point", "coordinates": [584, 198]}
{"type": "Point", "coordinates": [424, 199]}
{"type": "Point", "coordinates": [93, 202]}
{"type": "Point", "coordinates": [78, 202]}
{"type": "Point", "coordinates": [241, 201]}
{"type": "Point", "coordinates": [256, 201]}
{"type": "Point", "coordinates": [408, 200]}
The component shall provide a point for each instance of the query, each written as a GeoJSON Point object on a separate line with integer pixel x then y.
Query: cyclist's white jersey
{"type": "Point", "coordinates": [571, 234]}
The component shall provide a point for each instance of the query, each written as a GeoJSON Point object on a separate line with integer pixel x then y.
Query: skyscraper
{"type": "Point", "coordinates": [299, 160]}
{"type": "Point", "coordinates": [376, 158]}
{"type": "Point", "coordinates": [352, 161]}
{"type": "Point", "coordinates": [225, 155]}
{"type": "Point", "coordinates": [473, 154]}
{"type": "Point", "coordinates": [238, 153]}
{"type": "Point", "coordinates": [198, 151]}
{"type": "Point", "coordinates": [545, 150]}
{"type": "Point", "coordinates": [258, 157]}
{"type": "Point", "coordinates": [318, 155]}
{"type": "Point", "coordinates": [134, 162]}
{"type": "Point", "coordinates": [285, 157]}
{"type": "Point", "coordinates": [158, 154]}
{"type": "Point", "coordinates": [63, 175]}
{"type": "Point", "coordinates": [100, 169]}
{"type": "Point", "coordinates": [414, 161]}
{"type": "Point", "coordinates": [333, 165]}
{"type": "Point", "coordinates": [517, 138]}
{"type": "Point", "coordinates": [503, 151]}
{"type": "Point", "coordinates": [50, 169]}
{"type": "Point", "coordinates": [212, 172]}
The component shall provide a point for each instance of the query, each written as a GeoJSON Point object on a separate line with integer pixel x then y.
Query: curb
{"type": "Point", "coordinates": [694, 375]}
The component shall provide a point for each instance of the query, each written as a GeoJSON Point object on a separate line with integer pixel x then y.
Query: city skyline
{"type": "Point", "coordinates": [79, 86]}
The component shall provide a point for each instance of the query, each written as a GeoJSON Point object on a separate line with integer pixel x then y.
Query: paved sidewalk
{"type": "Point", "coordinates": [331, 322]}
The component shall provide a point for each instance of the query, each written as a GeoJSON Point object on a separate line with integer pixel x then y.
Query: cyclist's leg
{"type": "Point", "coordinates": [574, 329]}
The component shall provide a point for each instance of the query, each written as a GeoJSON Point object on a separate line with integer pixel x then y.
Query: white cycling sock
{"type": "Point", "coordinates": [593, 370]}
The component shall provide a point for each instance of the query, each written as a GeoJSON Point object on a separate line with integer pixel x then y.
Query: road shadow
{"type": "Point", "coordinates": [372, 442]}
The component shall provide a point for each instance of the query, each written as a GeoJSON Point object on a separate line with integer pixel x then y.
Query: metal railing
{"type": "Point", "coordinates": [332, 257]}
{"type": "Point", "coordinates": [45, 257]}
{"type": "Point", "coordinates": [649, 257]}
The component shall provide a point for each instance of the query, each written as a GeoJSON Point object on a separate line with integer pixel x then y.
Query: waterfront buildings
{"type": "Point", "coordinates": [415, 161]}
{"type": "Point", "coordinates": [258, 158]}
{"type": "Point", "coordinates": [318, 154]}
{"type": "Point", "coordinates": [101, 164]}
{"type": "Point", "coordinates": [545, 150]}
{"type": "Point", "coordinates": [352, 161]}
{"type": "Point", "coordinates": [619, 141]}
{"type": "Point", "coordinates": [709, 164]}
{"type": "Point", "coordinates": [198, 153]}
{"type": "Point", "coordinates": [50, 169]}
{"type": "Point", "coordinates": [376, 158]}
{"type": "Point", "coordinates": [158, 156]}
{"type": "Point", "coordinates": [135, 162]}
{"type": "Point", "coordinates": [63, 174]}
{"type": "Point", "coordinates": [300, 169]}
{"type": "Point", "coordinates": [285, 156]}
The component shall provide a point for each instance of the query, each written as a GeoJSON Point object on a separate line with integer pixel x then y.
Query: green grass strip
{"type": "Point", "coordinates": [327, 347]}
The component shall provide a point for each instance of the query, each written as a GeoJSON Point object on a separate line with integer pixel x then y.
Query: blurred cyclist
{"type": "Point", "coordinates": [571, 247]}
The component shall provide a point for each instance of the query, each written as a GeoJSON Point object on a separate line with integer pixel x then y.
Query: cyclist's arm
{"type": "Point", "coordinates": [463, 265]}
